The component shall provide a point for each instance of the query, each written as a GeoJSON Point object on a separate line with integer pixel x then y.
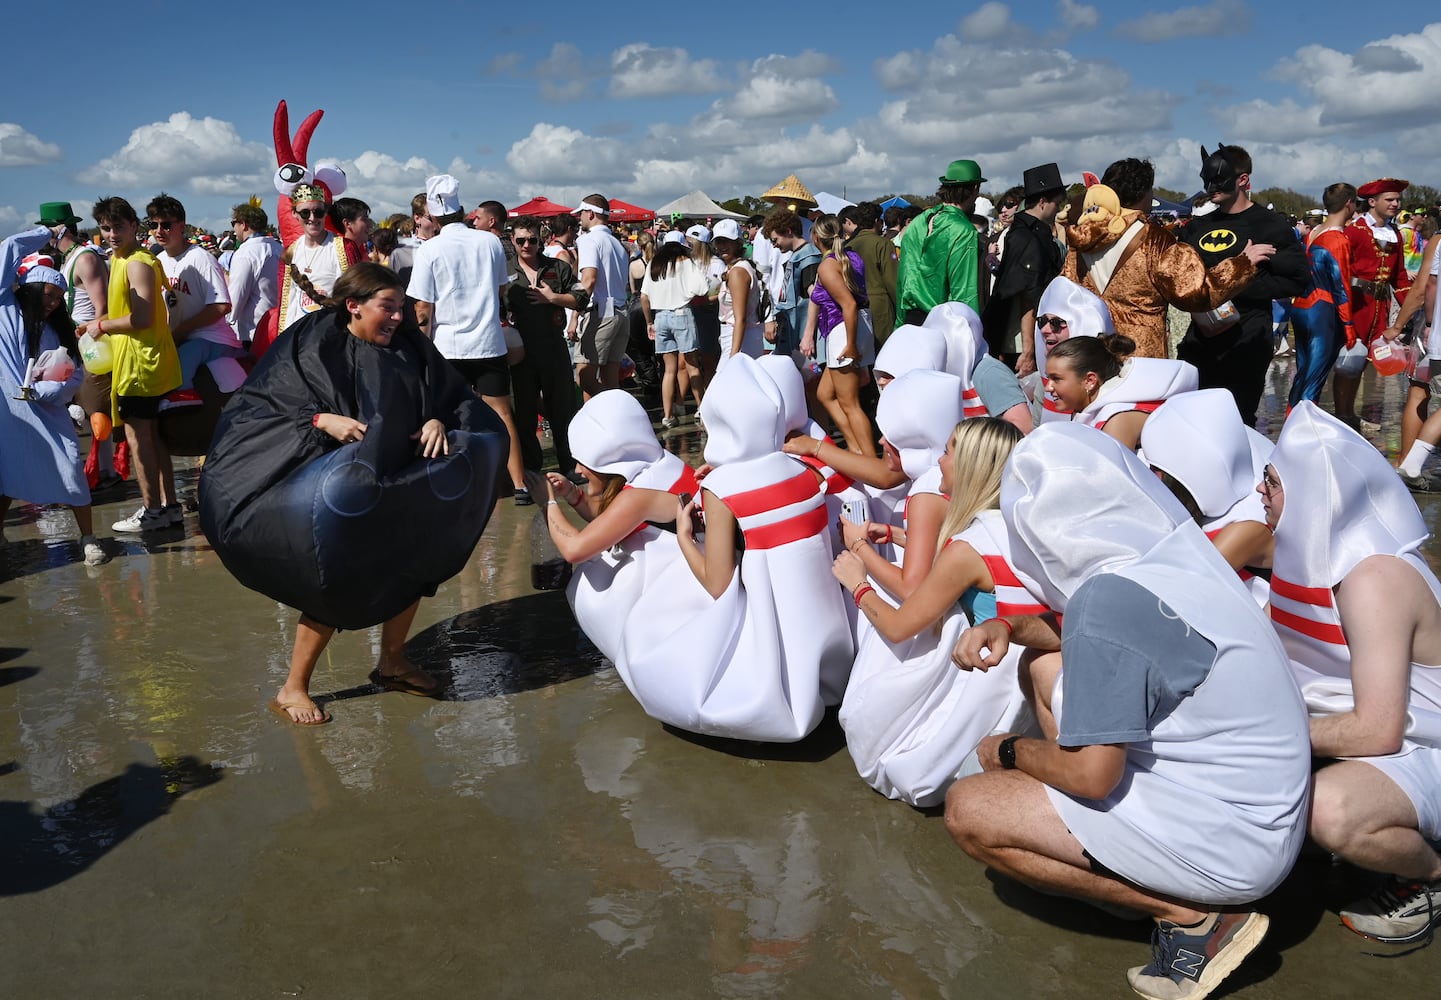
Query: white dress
{"type": "Point", "coordinates": [761, 661]}
{"type": "Point", "coordinates": [911, 716]}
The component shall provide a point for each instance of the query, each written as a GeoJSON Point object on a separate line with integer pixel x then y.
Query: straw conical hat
{"type": "Point", "coordinates": [790, 189]}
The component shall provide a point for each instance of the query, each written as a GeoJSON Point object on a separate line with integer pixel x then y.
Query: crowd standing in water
{"type": "Point", "coordinates": [990, 491]}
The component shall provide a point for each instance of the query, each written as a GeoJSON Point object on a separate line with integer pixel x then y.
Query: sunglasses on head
{"type": "Point", "coordinates": [310, 213]}
{"type": "Point", "coordinates": [161, 225]}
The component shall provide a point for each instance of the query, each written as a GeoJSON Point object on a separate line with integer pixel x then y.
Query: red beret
{"type": "Point", "coordinates": [1381, 186]}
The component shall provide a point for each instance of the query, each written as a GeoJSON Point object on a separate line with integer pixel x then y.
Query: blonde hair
{"type": "Point", "coordinates": [980, 448]}
{"type": "Point", "coordinates": [611, 488]}
{"type": "Point", "coordinates": [826, 234]}
{"type": "Point", "coordinates": [700, 252]}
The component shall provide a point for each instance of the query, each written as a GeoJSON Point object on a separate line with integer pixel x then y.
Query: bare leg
{"type": "Point", "coordinates": [1413, 416]}
{"type": "Point", "coordinates": [83, 520]}
{"type": "Point", "coordinates": [589, 378]}
{"type": "Point", "coordinates": [166, 476]}
{"type": "Point", "coordinates": [846, 384]}
{"type": "Point", "coordinates": [393, 662]}
{"type": "Point", "coordinates": [668, 384]}
{"type": "Point", "coordinates": [311, 639]}
{"type": "Point", "coordinates": [694, 380]}
{"type": "Point", "coordinates": [141, 435]}
{"type": "Point", "coordinates": [610, 375]}
{"type": "Point", "coordinates": [826, 396]}
{"type": "Point", "coordinates": [1004, 819]}
{"type": "Point", "coordinates": [1362, 815]}
{"type": "Point", "coordinates": [515, 463]}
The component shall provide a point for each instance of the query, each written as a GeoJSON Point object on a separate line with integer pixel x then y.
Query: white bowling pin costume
{"type": "Point", "coordinates": [965, 347]}
{"type": "Point", "coordinates": [1085, 314]}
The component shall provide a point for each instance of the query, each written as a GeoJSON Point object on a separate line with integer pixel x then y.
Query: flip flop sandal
{"type": "Point", "coordinates": [281, 710]}
{"type": "Point", "coordinates": [403, 683]}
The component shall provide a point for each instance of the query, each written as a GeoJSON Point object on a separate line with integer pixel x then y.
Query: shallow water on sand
{"type": "Point", "coordinates": [533, 834]}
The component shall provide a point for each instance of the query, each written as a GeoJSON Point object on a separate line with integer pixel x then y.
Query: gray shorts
{"type": "Point", "coordinates": [1418, 774]}
{"type": "Point", "coordinates": [602, 341]}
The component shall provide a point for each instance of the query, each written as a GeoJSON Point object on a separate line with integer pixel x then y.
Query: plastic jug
{"type": "Point", "coordinates": [1390, 357]}
{"type": "Point", "coordinates": [96, 353]}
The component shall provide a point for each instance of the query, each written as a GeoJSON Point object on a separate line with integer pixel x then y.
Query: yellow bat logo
{"type": "Point", "coordinates": [1218, 241]}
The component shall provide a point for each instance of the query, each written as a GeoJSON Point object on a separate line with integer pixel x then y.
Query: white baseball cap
{"type": "Point", "coordinates": [727, 229]}
{"type": "Point", "coordinates": [674, 236]}
{"type": "Point", "coordinates": [699, 232]}
{"type": "Point", "coordinates": [442, 195]}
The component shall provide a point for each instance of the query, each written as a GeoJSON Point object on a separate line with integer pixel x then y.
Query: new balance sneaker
{"type": "Point", "coordinates": [1419, 484]}
{"type": "Point", "coordinates": [144, 519]}
{"type": "Point", "coordinates": [1400, 911]}
{"type": "Point", "coordinates": [1187, 963]}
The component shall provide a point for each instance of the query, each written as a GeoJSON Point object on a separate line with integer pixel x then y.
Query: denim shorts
{"type": "Point", "coordinates": [675, 331]}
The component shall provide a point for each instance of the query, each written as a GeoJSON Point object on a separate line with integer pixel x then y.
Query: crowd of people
{"type": "Point", "coordinates": [988, 488]}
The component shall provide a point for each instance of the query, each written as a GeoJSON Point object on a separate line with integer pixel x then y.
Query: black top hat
{"type": "Point", "coordinates": [1042, 180]}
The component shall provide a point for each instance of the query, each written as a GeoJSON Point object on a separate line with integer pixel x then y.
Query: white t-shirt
{"type": "Point", "coordinates": [254, 283]}
{"type": "Point", "coordinates": [197, 281]}
{"type": "Point", "coordinates": [1433, 339]}
{"type": "Point", "coordinates": [597, 247]}
{"type": "Point", "coordinates": [321, 266]}
{"type": "Point", "coordinates": [461, 271]}
{"type": "Point", "coordinates": [675, 289]}
{"type": "Point", "coordinates": [770, 260]}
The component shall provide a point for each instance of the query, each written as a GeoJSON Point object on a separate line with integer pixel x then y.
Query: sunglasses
{"type": "Point", "coordinates": [1054, 322]}
{"type": "Point", "coordinates": [522, 241]}
{"type": "Point", "coordinates": [163, 226]}
{"type": "Point", "coordinates": [1270, 481]}
{"type": "Point", "coordinates": [310, 213]}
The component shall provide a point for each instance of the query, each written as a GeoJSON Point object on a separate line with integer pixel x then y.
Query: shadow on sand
{"type": "Point", "coordinates": [43, 849]}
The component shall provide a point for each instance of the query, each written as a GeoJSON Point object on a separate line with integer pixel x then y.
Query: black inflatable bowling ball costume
{"type": "Point", "coordinates": [349, 534]}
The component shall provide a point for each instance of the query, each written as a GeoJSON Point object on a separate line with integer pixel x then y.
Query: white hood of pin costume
{"type": "Point", "coordinates": [965, 347]}
{"type": "Point", "coordinates": [613, 435]}
{"type": "Point", "coordinates": [1199, 440]}
{"type": "Point", "coordinates": [792, 387]}
{"type": "Point", "coordinates": [1343, 501]}
{"type": "Point", "coordinates": [917, 414]}
{"type": "Point", "coordinates": [912, 347]}
{"type": "Point", "coordinates": [743, 420]}
{"type": "Point", "coordinates": [1142, 380]}
{"type": "Point", "coordinates": [1083, 310]}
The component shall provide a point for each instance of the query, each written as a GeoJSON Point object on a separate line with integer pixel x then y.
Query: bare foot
{"type": "Point", "coordinates": [298, 708]}
{"type": "Point", "coordinates": [399, 674]}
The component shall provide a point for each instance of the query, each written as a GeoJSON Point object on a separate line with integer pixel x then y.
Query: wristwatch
{"type": "Point", "coordinates": [1007, 752]}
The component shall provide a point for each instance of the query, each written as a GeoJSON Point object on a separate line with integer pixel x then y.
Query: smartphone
{"type": "Point", "coordinates": [685, 498]}
{"type": "Point", "coordinates": [855, 510]}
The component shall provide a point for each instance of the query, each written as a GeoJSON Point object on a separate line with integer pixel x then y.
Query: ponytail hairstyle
{"type": "Point", "coordinates": [980, 448]}
{"type": "Point", "coordinates": [1102, 355]}
{"type": "Point", "coordinates": [826, 234]}
{"type": "Point", "coordinates": [701, 253]}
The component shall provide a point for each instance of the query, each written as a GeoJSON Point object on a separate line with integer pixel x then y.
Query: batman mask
{"type": "Point", "coordinates": [1217, 173]}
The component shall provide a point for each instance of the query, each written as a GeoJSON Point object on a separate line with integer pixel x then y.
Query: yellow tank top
{"type": "Point", "coordinates": [145, 360]}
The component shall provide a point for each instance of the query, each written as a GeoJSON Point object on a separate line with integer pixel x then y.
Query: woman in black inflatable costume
{"type": "Point", "coordinates": [335, 378]}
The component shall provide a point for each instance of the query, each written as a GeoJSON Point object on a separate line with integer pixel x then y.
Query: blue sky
{"type": "Point", "coordinates": [655, 102]}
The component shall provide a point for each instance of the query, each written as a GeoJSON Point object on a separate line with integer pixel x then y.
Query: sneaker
{"type": "Point", "coordinates": [1187, 963]}
{"type": "Point", "coordinates": [523, 498]}
{"type": "Point", "coordinates": [174, 513]}
{"type": "Point", "coordinates": [1400, 911]}
{"type": "Point", "coordinates": [144, 519]}
{"type": "Point", "coordinates": [1284, 350]}
{"type": "Point", "coordinates": [94, 554]}
{"type": "Point", "coordinates": [666, 423]}
{"type": "Point", "coordinates": [1419, 484]}
{"type": "Point", "coordinates": [179, 398]}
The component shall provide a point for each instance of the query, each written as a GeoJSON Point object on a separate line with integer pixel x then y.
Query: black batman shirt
{"type": "Point", "coordinates": [1218, 237]}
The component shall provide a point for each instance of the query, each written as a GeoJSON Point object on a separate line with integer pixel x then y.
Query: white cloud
{"type": "Point", "coordinates": [19, 148]}
{"type": "Point", "coordinates": [988, 22]}
{"type": "Point", "coordinates": [11, 219]}
{"type": "Point", "coordinates": [1078, 16]}
{"type": "Point", "coordinates": [1384, 81]}
{"type": "Point", "coordinates": [387, 184]}
{"type": "Point", "coordinates": [776, 98]}
{"type": "Point", "coordinates": [563, 75]}
{"type": "Point", "coordinates": [640, 70]}
{"type": "Point", "coordinates": [556, 154]}
{"type": "Point", "coordinates": [1213, 20]}
{"type": "Point", "coordinates": [204, 155]}
{"type": "Point", "coordinates": [808, 63]}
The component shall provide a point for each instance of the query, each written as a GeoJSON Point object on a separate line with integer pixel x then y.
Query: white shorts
{"type": "Point", "coordinates": [1417, 773]}
{"type": "Point", "coordinates": [865, 341]}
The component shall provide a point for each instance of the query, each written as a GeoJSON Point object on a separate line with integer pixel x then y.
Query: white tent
{"type": "Point", "coordinates": [830, 204]}
{"type": "Point", "coordinates": [696, 205]}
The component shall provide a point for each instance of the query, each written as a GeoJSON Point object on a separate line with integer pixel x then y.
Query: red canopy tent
{"type": "Point", "coordinates": [621, 211]}
{"type": "Point", "coordinates": [541, 206]}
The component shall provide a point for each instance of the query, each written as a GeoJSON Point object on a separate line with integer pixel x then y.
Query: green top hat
{"type": "Point", "coordinates": [54, 213]}
{"type": "Point", "coordinates": [963, 172]}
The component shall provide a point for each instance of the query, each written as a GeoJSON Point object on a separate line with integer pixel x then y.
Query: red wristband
{"type": "Point", "coordinates": [315, 420]}
{"type": "Point", "coordinates": [1009, 627]}
{"type": "Point", "coordinates": [890, 531]}
{"type": "Point", "coordinates": [861, 592]}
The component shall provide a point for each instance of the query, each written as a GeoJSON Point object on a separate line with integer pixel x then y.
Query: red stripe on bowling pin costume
{"type": "Point", "coordinates": [1150, 406]}
{"type": "Point", "coordinates": [1245, 574]}
{"type": "Point", "coordinates": [971, 405]}
{"type": "Point", "coordinates": [796, 489]}
{"type": "Point", "coordinates": [687, 483]}
{"type": "Point", "coordinates": [1012, 597]}
{"type": "Point", "coordinates": [811, 524]}
{"type": "Point", "coordinates": [1325, 632]}
{"type": "Point", "coordinates": [1320, 597]}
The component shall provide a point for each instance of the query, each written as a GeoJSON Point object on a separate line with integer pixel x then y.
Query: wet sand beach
{"type": "Point", "coordinates": [533, 834]}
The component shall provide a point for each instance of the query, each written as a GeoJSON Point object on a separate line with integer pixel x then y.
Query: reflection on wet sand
{"type": "Point", "coordinates": [531, 834]}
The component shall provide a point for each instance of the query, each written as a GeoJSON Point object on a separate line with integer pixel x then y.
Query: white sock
{"type": "Point", "coordinates": [1416, 457]}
